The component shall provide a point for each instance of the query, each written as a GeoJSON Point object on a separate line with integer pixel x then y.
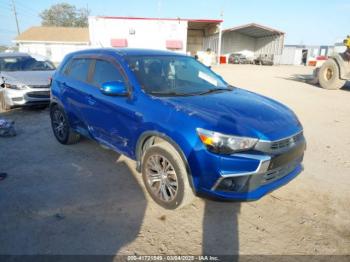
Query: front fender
{"type": "Point", "coordinates": [176, 139]}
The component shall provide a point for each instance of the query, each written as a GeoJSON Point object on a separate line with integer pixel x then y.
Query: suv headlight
{"type": "Point", "coordinates": [225, 144]}
{"type": "Point", "coordinates": [16, 87]}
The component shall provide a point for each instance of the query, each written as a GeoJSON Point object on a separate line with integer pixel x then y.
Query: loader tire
{"type": "Point", "coordinates": [329, 76]}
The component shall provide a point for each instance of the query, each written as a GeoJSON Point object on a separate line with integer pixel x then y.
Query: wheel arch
{"type": "Point", "coordinates": [55, 102]}
{"type": "Point", "coordinates": [148, 136]}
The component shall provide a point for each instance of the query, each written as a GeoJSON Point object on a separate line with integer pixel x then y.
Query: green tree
{"type": "Point", "coordinates": [64, 14]}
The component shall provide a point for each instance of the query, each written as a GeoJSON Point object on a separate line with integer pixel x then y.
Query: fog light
{"type": "Point", "coordinates": [17, 99]}
{"type": "Point", "coordinates": [227, 184]}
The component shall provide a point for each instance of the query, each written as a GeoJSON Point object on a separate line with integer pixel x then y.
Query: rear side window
{"type": "Point", "coordinates": [105, 72]}
{"type": "Point", "coordinates": [78, 69]}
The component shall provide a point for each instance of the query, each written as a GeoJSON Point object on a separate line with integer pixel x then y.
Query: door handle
{"type": "Point", "coordinates": [91, 100]}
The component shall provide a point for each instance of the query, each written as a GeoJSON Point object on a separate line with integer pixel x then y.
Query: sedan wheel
{"type": "Point", "coordinates": [59, 124]}
{"type": "Point", "coordinates": [165, 176]}
{"type": "Point", "coordinates": [61, 128]}
{"type": "Point", "coordinates": [161, 178]}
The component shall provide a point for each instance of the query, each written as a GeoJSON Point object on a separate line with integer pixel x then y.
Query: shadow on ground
{"type": "Point", "coordinates": [82, 199]}
{"type": "Point", "coordinates": [64, 199]}
{"type": "Point", "coordinates": [220, 228]}
{"type": "Point", "coordinates": [309, 79]}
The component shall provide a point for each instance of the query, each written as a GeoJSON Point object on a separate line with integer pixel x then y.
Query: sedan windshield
{"type": "Point", "coordinates": [175, 76]}
{"type": "Point", "coordinates": [24, 63]}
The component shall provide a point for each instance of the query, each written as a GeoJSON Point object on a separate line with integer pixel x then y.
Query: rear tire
{"type": "Point", "coordinates": [165, 176]}
{"type": "Point", "coordinates": [329, 76]}
{"type": "Point", "coordinates": [61, 128]}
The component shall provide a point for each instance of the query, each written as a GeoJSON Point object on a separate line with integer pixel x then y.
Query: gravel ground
{"type": "Point", "coordinates": [84, 199]}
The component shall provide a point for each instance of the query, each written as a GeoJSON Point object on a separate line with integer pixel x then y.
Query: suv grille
{"type": "Point", "coordinates": [280, 172]}
{"type": "Point", "coordinates": [39, 94]}
{"type": "Point", "coordinates": [39, 86]}
{"type": "Point", "coordinates": [286, 142]}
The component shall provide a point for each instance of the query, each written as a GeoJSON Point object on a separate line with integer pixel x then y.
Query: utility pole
{"type": "Point", "coordinates": [15, 14]}
{"type": "Point", "coordinates": [220, 36]}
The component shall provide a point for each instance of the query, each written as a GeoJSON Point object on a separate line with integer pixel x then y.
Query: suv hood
{"type": "Point", "coordinates": [239, 112]}
{"type": "Point", "coordinates": [36, 78]}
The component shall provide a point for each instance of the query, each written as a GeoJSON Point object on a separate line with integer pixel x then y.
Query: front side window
{"type": "Point", "coordinates": [105, 72]}
{"type": "Point", "coordinates": [79, 69]}
{"type": "Point", "coordinates": [174, 75]}
{"type": "Point", "coordinates": [24, 63]}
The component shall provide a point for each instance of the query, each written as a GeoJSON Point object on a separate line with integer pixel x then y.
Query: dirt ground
{"type": "Point", "coordinates": [84, 199]}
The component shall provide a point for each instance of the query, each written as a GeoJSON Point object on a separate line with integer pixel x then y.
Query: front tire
{"type": "Point", "coordinates": [61, 128]}
{"type": "Point", "coordinates": [329, 76]}
{"type": "Point", "coordinates": [165, 177]}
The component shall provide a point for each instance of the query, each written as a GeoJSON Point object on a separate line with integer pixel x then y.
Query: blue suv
{"type": "Point", "coordinates": [190, 132]}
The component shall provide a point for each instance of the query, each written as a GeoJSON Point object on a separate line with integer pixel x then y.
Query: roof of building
{"type": "Point", "coordinates": [254, 30]}
{"type": "Point", "coordinates": [55, 34]}
{"type": "Point", "coordinates": [162, 19]}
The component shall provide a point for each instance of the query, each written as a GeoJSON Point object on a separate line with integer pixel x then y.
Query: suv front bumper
{"type": "Point", "coordinates": [29, 96]}
{"type": "Point", "coordinates": [259, 191]}
{"type": "Point", "coordinates": [251, 175]}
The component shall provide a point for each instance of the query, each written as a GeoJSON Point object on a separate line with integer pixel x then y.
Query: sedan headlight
{"type": "Point", "coordinates": [225, 144]}
{"type": "Point", "coordinates": [16, 87]}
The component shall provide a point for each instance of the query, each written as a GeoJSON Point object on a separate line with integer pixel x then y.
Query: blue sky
{"type": "Point", "coordinates": [304, 21]}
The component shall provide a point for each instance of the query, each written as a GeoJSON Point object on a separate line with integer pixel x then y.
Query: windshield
{"type": "Point", "coordinates": [174, 75]}
{"type": "Point", "coordinates": [24, 63]}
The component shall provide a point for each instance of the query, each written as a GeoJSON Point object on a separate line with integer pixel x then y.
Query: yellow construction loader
{"type": "Point", "coordinates": [334, 73]}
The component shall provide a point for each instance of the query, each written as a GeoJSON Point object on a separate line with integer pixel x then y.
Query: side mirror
{"type": "Point", "coordinates": [116, 88]}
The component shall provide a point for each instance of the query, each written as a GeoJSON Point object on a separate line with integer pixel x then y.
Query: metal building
{"type": "Point", "coordinates": [253, 40]}
{"type": "Point", "coordinates": [176, 34]}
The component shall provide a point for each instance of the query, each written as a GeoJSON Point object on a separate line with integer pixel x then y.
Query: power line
{"type": "Point", "coordinates": [25, 7]}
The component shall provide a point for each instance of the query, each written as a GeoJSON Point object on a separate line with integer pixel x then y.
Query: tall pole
{"type": "Point", "coordinates": [220, 36]}
{"type": "Point", "coordinates": [15, 14]}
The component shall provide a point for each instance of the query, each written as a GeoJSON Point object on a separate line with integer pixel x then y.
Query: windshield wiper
{"type": "Point", "coordinates": [214, 90]}
{"type": "Point", "coordinates": [169, 94]}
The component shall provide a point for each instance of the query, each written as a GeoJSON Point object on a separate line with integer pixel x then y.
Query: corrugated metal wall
{"type": "Point", "coordinates": [233, 42]}
{"type": "Point", "coordinates": [211, 42]}
{"type": "Point", "coordinates": [269, 45]}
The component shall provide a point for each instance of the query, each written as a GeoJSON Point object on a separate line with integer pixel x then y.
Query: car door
{"type": "Point", "coordinates": [111, 119]}
{"type": "Point", "coordinates": [73, 85]}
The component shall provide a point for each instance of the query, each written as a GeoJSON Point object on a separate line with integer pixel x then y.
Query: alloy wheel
{"type": "Point", "coordinates": [161, 178]}
{"type": "Point", "coordinates": [59, 124]}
